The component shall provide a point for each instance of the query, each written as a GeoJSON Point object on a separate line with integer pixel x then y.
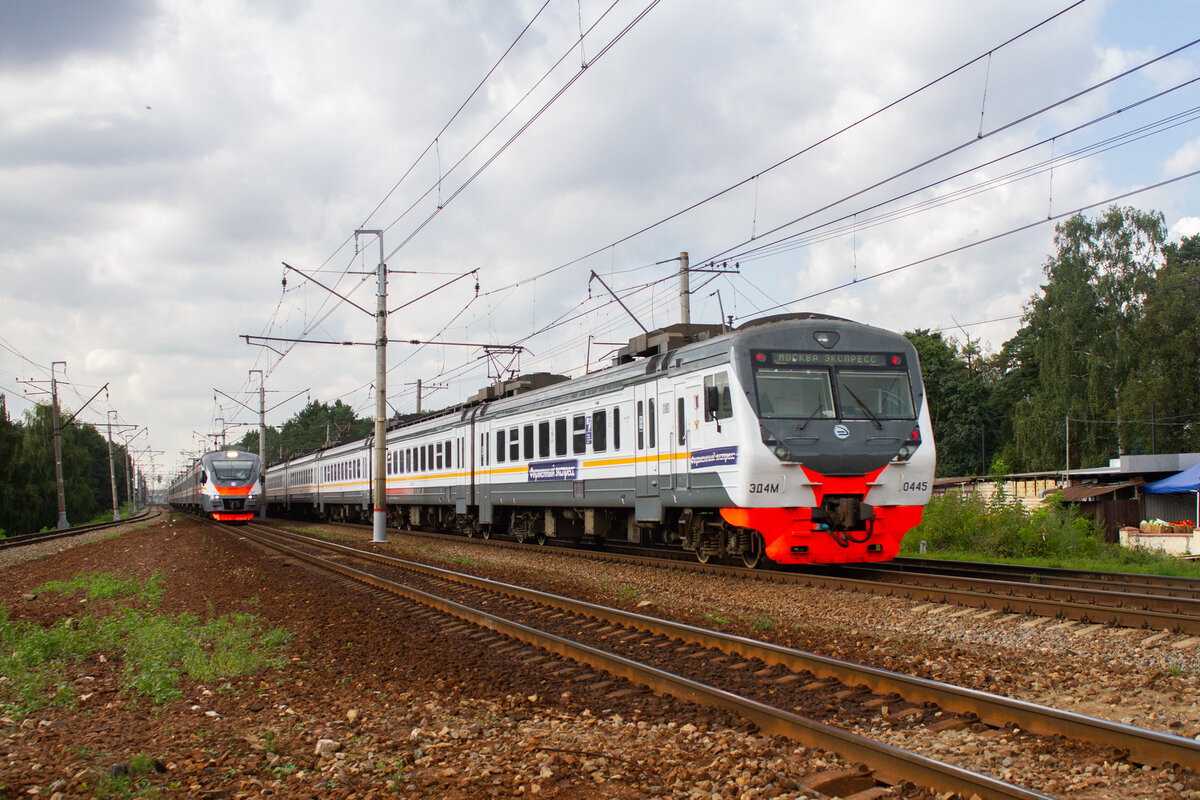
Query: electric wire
{"type": "Point", "coordinates": [808, 148]}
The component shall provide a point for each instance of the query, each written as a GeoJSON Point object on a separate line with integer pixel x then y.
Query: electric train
{"type": "Point", "coordinates": [799, 438]}
{"type": "Point", "coordinates": [224, 485]}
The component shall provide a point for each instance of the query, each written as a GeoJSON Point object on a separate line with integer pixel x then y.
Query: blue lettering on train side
{"type": "Point", "coordinates": [565, 470]}
{"type": "Point", "coordinates": [714, 457]}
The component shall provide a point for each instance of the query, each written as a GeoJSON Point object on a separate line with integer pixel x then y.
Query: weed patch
{"type": "Point", "coordinates": [155, 651]}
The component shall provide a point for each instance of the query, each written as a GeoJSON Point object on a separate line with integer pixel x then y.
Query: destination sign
{"type": "Point", "coordinates": [795, 358]}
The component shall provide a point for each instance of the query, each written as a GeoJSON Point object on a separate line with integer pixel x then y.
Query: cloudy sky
{"type": "Point", "coordinates": [159, 161]}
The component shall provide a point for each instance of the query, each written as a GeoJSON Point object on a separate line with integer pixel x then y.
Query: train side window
{"type": "Point", "coordinates": [429, 447]}
{"type": "Point", "coordinates": [641, 426]}
{"type": "Point", "coordinates": [514, 444]}
{"type": "Point", "coordinates": [560, 436]}
{"type": "Point", "coordinates": [449, 453]}
{"type": "Point", "coordinates": [616, 426]}
{"type": "Point", "coordinates": [527, 442]}
{"type": "Point", "coordinates": [680, 424]}
{"type": "Point", "coordinates": [718, 402]}
{"type": "Point", "coordinates": [438, 454]}
{"type": "Point", "coordinates": [424, 463]}
{"type": "Point", "coordinates": [652, 402]}
{"type": "Point", "coordinates": [579, 434]}
{"type": "Point", "coordinates": [544, 439]}
{"type": "Point", "coordinates": [499, 447]}
{"type": "Point", "coordinates": [599, 431]}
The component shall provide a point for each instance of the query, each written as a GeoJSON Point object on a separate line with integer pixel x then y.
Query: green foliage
{"type": "Point", "coordinates": [958, 385]}
{"type": "Point", "coordinates": [106, 586]}
{"type": "Point", "coordinates": [316, 425]}
{"type": "Point", "coordinates": [967, 527]}
{"type": "Point", "coordinates": [28, 491]}
{"type": "Point", "coordinates": [155, 651]}
{"type": "Point", "coordinates": [967, 523]}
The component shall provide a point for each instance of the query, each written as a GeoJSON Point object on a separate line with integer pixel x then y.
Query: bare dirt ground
{"type": "Point", "coordinates": [376, 700]}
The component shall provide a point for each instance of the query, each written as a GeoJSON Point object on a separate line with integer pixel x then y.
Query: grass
{"type": "Point", "coordinates": [965, 527]}
{"type": "Point", "coordinates": [156, 651]}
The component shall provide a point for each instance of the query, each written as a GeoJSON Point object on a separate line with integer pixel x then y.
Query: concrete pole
{"type": "Point", "coordinates": [112, 475]}
{"type": "Point", "coordinates": [418, 395]}
{"type": "Point", "coordinates": [685, 292]}
{"type": "Point", "coordinates": [129, 478]}
{"type": "Point", "coordinates": [379, 526]}
{"type": "Point", "coordinates": [262, 438]}
{"type": "Point", "coordinates": [58, 467]}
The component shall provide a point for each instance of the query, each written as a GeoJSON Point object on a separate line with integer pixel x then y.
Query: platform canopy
{"type": "Point", "coordinates": [1186, 481]}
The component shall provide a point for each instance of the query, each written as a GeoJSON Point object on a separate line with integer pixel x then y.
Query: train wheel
{"type": "Point", "coordinates": [486, 533]}
{"type": "Point", "coordinates": [540, 539]}
{"type": "Point", "coordinates": [703, 556]}
{"type": "Point", "coordinates": [752, 556]}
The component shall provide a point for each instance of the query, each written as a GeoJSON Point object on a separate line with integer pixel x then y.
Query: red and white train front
{"type": "Point", "coordinates": [846, 463]}
{"type": "Point", "coordinates": [223, 484]}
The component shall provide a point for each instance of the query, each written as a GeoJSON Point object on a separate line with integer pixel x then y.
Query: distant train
{"type": "Point", "coordinates": [223, 484]}
{"type": "Point", "coordinates": [800, 438]}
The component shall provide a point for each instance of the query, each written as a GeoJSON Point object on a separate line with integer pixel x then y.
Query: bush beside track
{"type": "Point", "coordinates": [967, 527]}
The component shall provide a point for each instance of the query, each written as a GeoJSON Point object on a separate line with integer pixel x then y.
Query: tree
{"type": "Point", "coordinates": [959, 389]}
{"type": "Point", "coordinates": [1164, 384]}
{"type": "Point", "coordinates": [1079, 339]}
{"type": "Point", "coordinates": [316, 425]}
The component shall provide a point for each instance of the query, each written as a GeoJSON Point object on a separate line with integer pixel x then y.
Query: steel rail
{"type": "Point", "coordinates": [1105, 598]}
{"type": "Point", "coordinates": [1143, 745]}
{"type": "Point", "coordinates": [890, 763]}
{"type": "Point", "coordinates": [27, 539]}
{"type": "Point", "coordinates": [1173, 585]}
{"type": "Point", "coordinates": [1080, 612]}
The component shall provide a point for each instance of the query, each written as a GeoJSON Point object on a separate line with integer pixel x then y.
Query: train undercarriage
{"type": "Point", "coordinates": [846, 531]}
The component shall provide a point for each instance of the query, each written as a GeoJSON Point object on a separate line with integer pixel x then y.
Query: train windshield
{"type": "Point", "coordinates": [794, 394]}
{"type": "Point", "coordinates": [232, 469]}
{"type": "Point", "coordinates": [875, 395]}
{"type": "Point", "coordinates": [808, 394]}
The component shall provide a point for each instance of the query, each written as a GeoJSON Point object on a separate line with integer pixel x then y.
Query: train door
{"type": "Point", "coordinates": [683, 425]}
{"type": "Point", "coordinates": [646, 444]}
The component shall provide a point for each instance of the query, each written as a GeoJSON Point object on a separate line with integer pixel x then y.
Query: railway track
{"type": "Point", "coordinates": [28, 539]}
{"type": "Point", "coordinates": [1156, 603]}
{"type": "Point", "coordinates": [782, 691]}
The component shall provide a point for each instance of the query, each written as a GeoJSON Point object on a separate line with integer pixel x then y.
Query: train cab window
{"type": "Point", "coordinates": [599, 431]}
{"type": "Point", "coordinates": [527, 441]}
{"type": "Point", "coordinates": [544, 439]}
{"type": "Point", "coordinates": [641, 426]}
{"type": "Point", "coordinates": [438, 454]}
{"type": "Point", "coordinates": [794, 394]}
{"type": "Point", "coordinates": [616, 428]}
{"type": "Point", "coordinates": [499, 447]}
{"type": "Point", "coordinates": [718, 402]}
{"type": "Point", "coordinates": [514, 444]}
{"type": "Point", "coordinates": [560, 437]}
{"type": "Point", "coordinates": [579, 434]}
{"type": "Point", "coordinates": [680, 423]}
{"type": "Point", "coordinates": [875, 394]}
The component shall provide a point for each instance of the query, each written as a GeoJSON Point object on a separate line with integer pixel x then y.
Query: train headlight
{"type": "Point", "coordinates": [782, 453]}
{"type": "Point", "coordinates": [907, 449]}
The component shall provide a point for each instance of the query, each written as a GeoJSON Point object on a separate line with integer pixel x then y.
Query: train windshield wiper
{"type": "Point", "coordinates": [874, 419]}
{"type": "Point", "coordinates": [820, 407]}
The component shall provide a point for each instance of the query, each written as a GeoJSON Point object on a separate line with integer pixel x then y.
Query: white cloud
{"type": "Point", "coordinates": [138, 243]}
